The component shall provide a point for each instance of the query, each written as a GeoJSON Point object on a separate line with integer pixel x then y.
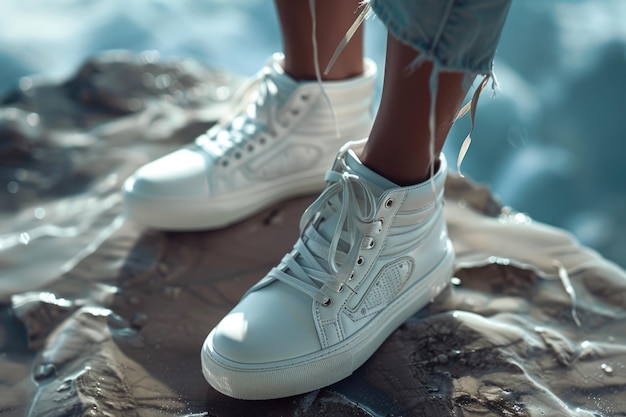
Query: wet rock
{"type": "Point", "coordinates": [41, 312]}
{"type": "Point", "coordinates": [119, 83]}
{"type": "Point", "coordinates": [475, 196]}
{"type": "Point", "coordinates": [115, 315]}
{"type": "Point", "coordinates": [123, 83]}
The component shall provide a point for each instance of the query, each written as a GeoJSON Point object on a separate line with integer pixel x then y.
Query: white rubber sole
{"type": "Point", "coordinates": [320, 369]}
{"type": "Point", "coordinates": [205, 214]}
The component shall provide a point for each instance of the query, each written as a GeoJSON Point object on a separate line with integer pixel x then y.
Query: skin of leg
{"type": "Point", "coordinates": [398, 146]}
{"type": "Point", "coordinates": [334, 18]}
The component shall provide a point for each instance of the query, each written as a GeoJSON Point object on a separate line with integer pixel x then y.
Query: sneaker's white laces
{"type": "Point", "coordinates": [257, 113]}
{"type": "Point", "coordinates": [316, 264]}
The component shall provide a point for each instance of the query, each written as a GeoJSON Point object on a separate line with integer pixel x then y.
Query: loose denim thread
{"type": "Point", "coordinates": [316, 62]}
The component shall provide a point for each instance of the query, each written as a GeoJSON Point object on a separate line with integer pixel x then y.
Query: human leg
{"type": "Point", "coordinates": [276, 145]}
{"type": "Point", "coordinates": [332, 18]}
{"type": "Point", "coordinates": [451, 40]}
{"type": "Point", "coordinates": [398, 145]}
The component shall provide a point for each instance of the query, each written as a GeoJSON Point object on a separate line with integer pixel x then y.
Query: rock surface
{"type": "Point", "coordinates": [101, 318]}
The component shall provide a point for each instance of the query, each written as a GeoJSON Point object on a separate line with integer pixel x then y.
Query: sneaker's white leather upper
{"type": "Point", "coordinates": [277, 144]}
{"type": "Point", "coordinates": [359, 248]}
{"type": "Point", "coordinates": [284, 126]}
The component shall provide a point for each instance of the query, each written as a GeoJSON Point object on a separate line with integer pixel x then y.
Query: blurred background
{"type": "Point", "coordinates": [551, 143]}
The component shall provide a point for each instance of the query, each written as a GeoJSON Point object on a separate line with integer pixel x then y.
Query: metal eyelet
{"type": "Point", "coordinates": [389, 203]}
{"type": "Point", "coordinates": [340, 288]}
{"type": "Point", "coordinates": [351, 276]}
{"type": "Point", "coordinates": [371, 244]}
{"type": "Point", "coordinates": [359, 261]}
{"type": "Point", "coordinates": [327, 302]}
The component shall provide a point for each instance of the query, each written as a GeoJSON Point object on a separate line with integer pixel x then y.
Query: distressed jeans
{"type": "Point", "coordinates": [456, 35]}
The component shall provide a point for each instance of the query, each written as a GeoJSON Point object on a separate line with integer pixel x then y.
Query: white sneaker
{"type": "Point", "coordinates": [370, 255]}
{"type": "Point", "coordinates": [277, 146]}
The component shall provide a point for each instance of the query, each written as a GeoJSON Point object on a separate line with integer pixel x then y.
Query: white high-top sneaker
{"type": "Point", "coordinates": [370, 255]}
{"type": "Point", "coordinates": [277, 146]}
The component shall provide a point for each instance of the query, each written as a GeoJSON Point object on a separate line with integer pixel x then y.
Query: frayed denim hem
{"type": "Point", "coordinates": [455, 35]}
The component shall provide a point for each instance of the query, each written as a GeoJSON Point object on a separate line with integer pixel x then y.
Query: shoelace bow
{"type": "Point", "coordinates": [315, 263]}
{"type": "Point", "coordinates": [248, 119]}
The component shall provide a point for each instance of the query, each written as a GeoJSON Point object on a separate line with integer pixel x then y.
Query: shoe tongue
{"type": "Point", "coordinates": [378, 183]}
{"type": "Point", "coordinates": [285, 85]}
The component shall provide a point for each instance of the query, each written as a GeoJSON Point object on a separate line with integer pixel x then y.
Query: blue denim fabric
{"type": "Point", "coordinates": [457, 35]}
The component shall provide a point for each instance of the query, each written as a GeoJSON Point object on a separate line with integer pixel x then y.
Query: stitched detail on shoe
{"type": "Point", "coordinates": [290, 159]}
{"type": "Point", "coordinates": [319, 324]}
{"type": "Point", "coordinates": [329, 331]}
{"type": "Point", "coordinates": [387, 285]}
{"type": "Point", "coordinates": [331, 334]}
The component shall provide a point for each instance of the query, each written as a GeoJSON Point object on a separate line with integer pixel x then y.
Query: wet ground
{"type": "Point", "coordinates": [101, 318]}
